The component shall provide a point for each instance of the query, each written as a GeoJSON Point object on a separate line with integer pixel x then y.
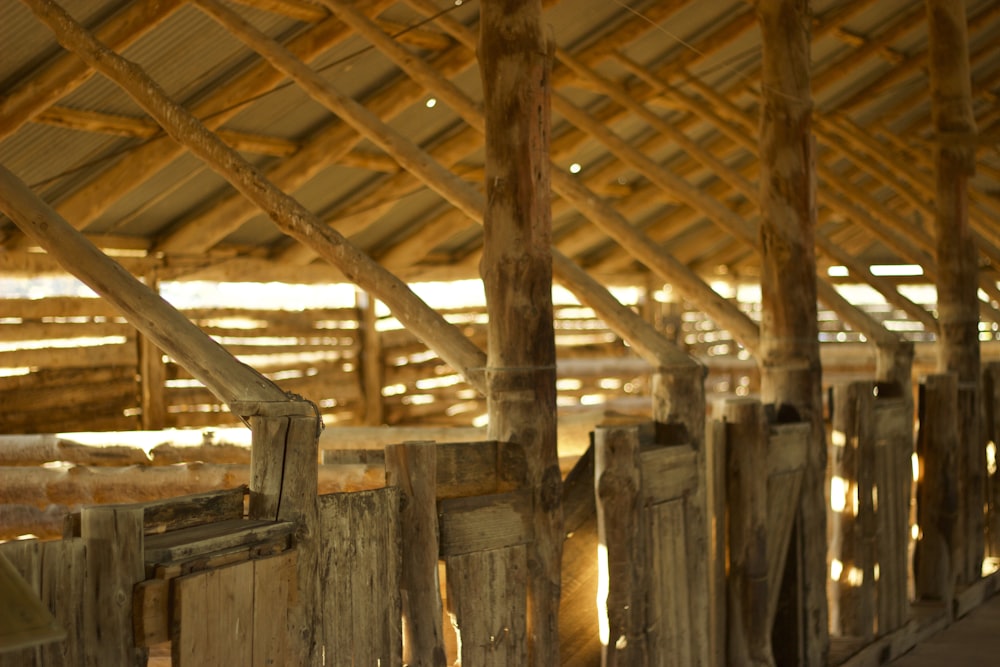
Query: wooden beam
{"type": "Point", "coordinates": [127, 126]}
{"type": "Point", "coordinates": [789, 354]}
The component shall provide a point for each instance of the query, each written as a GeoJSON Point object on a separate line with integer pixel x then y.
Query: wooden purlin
{"type": "Point", "coordinates": [65, 73]}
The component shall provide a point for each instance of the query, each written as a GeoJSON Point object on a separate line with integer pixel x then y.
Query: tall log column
{"type": "Point", "coordinates": [515, 62]}
{"type": "Point", "coordinates": [958, 302]}
{"type": "Point", "coordinates": [789, 349]}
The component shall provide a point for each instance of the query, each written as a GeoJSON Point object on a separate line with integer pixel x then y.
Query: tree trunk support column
{"type": "Point", "coordinates": [515, 63]}
{"type": "Point", "coordinates": [957, 281]}
{"type": "Point", "coordinates": [789, 350]}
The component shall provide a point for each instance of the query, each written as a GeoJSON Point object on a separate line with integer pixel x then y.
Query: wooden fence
{"type": "Point", "coordinates": [72, 364]}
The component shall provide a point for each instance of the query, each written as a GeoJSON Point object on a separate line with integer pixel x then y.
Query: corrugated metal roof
{"type": "Point", "coordinates": [191, 57]}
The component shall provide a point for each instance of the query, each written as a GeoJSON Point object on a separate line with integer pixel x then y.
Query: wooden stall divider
{"type": "Point", "coordinates": [937, 488]}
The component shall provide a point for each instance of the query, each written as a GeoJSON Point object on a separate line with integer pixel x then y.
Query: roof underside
{"type": "Point", "coordinates": [642, 68]}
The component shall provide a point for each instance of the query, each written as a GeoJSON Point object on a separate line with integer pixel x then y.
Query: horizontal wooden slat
{"type": "Point", "coordinates": [668, 472]}
{"type": "Point", "coordinates": [480, 523]}
{"type": "Point", "coordinates": [213, 537]}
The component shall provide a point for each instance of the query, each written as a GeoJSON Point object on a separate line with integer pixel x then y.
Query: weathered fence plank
{"type": "Point", "coordinates": [359, 574]}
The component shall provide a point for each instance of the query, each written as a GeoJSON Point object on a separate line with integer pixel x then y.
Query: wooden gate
{"type": "Point", "coordinates": [654, 549]}
{"type": "Point", "coordinates": [870, 495]}
{"type": "Point", "coordinates": [757, 500]}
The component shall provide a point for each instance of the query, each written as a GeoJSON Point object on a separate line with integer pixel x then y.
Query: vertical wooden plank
{"type": "Point", "coordinates": [360, 574]}
{"type": "Point", "coordinates": [679, 400]}
{"type": "Point", "coordinates": [622, 533]}
{"type": "Point", "coordinates": [843, 475]}
{"type": "Point", "coordinates": [893, 435]}
{"type": "Point", "coordinates": [25, 556]}
{"type": "Point", "coordinates": [991, 402]}
{"type": "Point", "coordinates": [412, 468]}
{"type": "Point", "coordinates": [670, 621]}
{"type": "Point", "coordinates": [937, 489]}
{"type": "Point", "coordinates": [213, 617]}
{"type": "Point", "coordinates": [716, 514]}
{"type": "Point", "coordinates": [152, 375]}
{"type": "Point", "coordinates": [486, 594]}
{"type": "Point", "coordinates": [370, 366]}
{"type": "Point", "coordinates": [114, 544]}
{"type": "Point", "coordinates": [274, 588]}
{"type": "Point", "coordinates": [865, 522]}
{"type": "Point", "coordinates": [749, 639]}
{"type": "Point", "coordinates": [64, 576]}
{"type": "Point", "coordinates": [283, 485]}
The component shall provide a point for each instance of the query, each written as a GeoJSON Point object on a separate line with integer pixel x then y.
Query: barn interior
{"type": "Point", "coordinates": [679, 289]}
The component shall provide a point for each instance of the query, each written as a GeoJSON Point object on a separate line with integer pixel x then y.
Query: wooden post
{"type": "Point", "coordinates": [152, 376]}
{"type": "Point", "coordinates": [371, 363]}
{"type": "Point", "coordinates": [515, 61]}
{"type": "Point", "coordinates": [789, 350]}
{"type": "Point", "coordinates": [621, 530]}
{"type": "Point", "coordinates": [413, 468]}
{"type": "Point", "coordinates": [937, 489]}
{"type": "Point", "coordinates": [957, 280]}
{"type": "Point", "coordinates": [283, 486]}
{"type": "Point", "coordinates": [749, 629]}
{"type": "Point", "coordinates": [115, 564]}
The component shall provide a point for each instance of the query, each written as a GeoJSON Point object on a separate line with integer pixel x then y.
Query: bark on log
{"type": "Point", "coordinates": [515, 63]}
{"type": "Point", "coordinates": [789, 351]}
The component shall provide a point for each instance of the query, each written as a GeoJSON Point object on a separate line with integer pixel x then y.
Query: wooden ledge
{"type": "Point", "coordinates": [211, 538]}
